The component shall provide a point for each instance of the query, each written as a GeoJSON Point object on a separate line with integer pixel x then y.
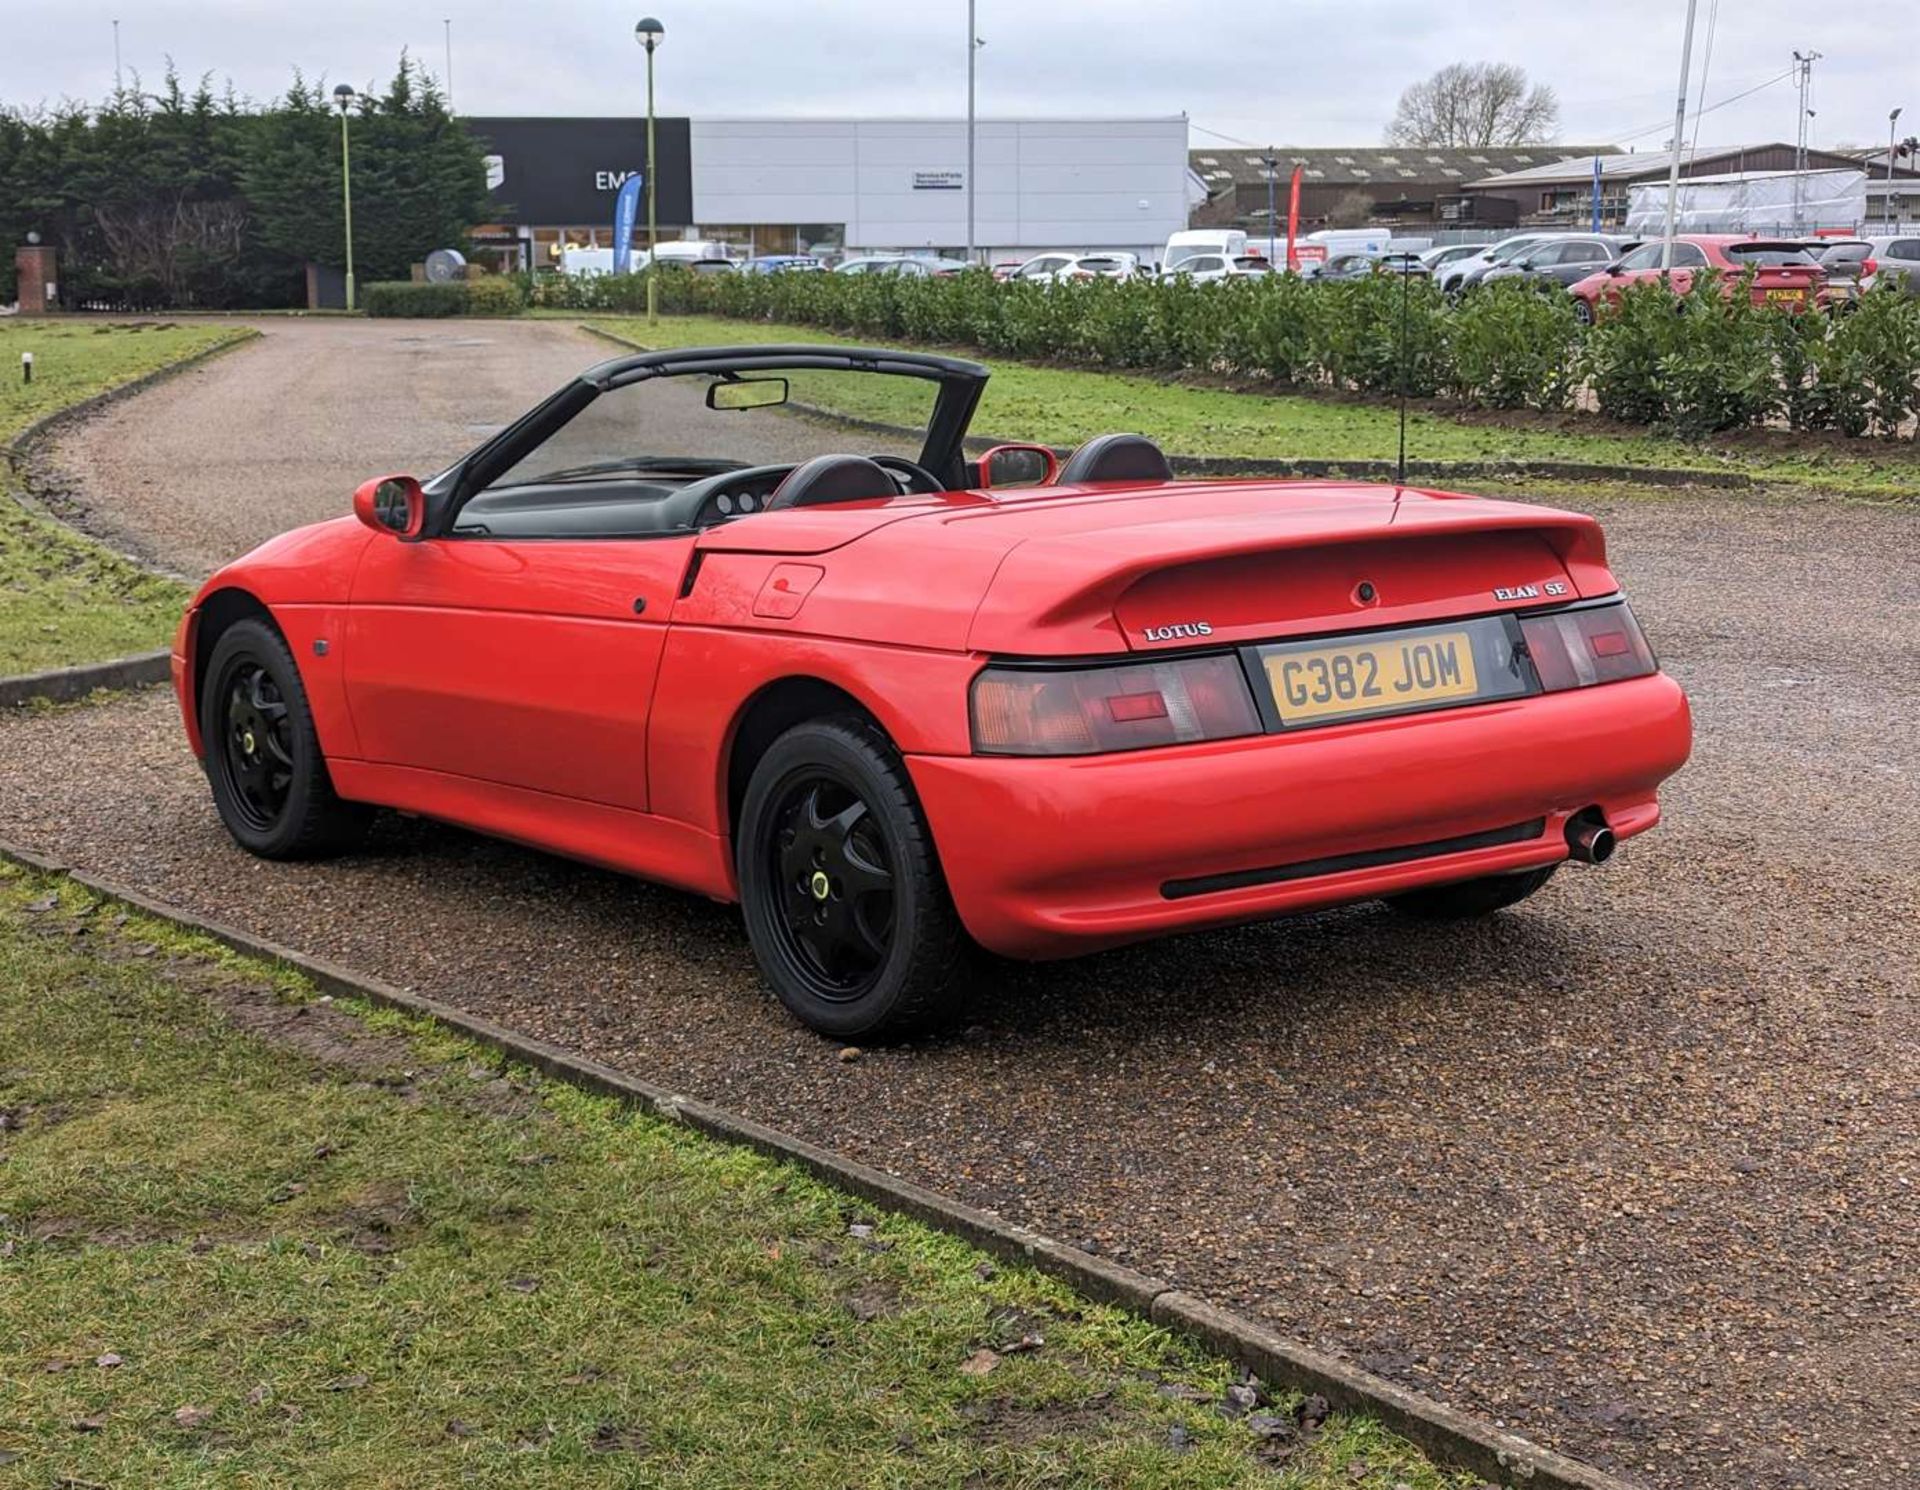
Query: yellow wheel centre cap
{"type": "Point", "coordinates": [820, 885]}
{"type": "Point", "coordinates": [246, 742]}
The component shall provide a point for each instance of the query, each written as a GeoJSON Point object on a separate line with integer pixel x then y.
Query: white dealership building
{"type": "Point", "coordinates": [901, 183]}
{"type": "Point", "coordinates": [846, 185]}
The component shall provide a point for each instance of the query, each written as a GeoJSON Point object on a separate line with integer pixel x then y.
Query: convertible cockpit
{"type": "Point", "coordinates": [679, 499]}
{"type": "Point", "coordinates": [677, 442]}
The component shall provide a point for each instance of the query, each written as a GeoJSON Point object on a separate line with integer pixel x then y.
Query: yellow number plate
{"type": "Point", "coordinates": [1793, 295]}
{"type": "Point", "coordinates": [1405, 672]}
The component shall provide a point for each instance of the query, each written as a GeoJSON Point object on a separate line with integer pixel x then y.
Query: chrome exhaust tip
{"type": "Point", "coordinates": [1589, 839]}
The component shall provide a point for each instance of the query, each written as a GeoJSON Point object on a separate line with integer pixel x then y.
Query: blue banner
{"type": "Point", "coordinates": [1596, 194]}
{"type": "Point", "coordinates": [626, 207]}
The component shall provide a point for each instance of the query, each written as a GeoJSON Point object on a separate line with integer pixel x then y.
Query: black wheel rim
{"type": "Point", "coordinates": [831, 875]}
{"type": "Point", "coordinates": [256, 744]}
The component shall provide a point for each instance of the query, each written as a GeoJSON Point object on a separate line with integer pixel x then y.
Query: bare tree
{"type": "Point", "coordinates": [1475, 104]}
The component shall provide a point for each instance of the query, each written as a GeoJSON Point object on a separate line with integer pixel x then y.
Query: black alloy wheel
{"type": "Point", "coordinates": [844, 900]}
{"type": "Point", "coordinates": [831, 863]}
{"type": "Point", "coordinates": [263, 758]}
{"type": "Point", "coordinates": [256, 745]}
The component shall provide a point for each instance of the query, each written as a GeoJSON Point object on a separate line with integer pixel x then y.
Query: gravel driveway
{"type": "Point", "coordinates": [1630, 1169]}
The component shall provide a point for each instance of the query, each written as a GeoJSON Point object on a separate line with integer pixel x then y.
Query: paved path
{"type": "Point", "coordinates": [1631, 1169]}
{"type": "Point", "coordinates": [279, 431]}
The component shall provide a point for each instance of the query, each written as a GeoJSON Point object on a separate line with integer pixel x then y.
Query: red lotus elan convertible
{"type": "Point", "coordinates": [899, 704]}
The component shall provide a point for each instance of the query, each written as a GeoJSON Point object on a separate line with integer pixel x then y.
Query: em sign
{"type": "Point", "coordinates": [611, 180]}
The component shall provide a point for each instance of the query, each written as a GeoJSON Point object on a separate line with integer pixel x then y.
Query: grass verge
{"type": "Point", "coordinates": [254, 1237]}
{"type": "Point", "coordinates": [64, 599]}
{"type": "Point", "coordinates": [1063, 406]}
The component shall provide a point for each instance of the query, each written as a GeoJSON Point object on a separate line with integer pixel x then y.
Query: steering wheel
{"type": "Point", "coordinates": [918, 478]}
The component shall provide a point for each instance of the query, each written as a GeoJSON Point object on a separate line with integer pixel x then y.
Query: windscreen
{"type": "Point", "coordinates": [665, 425]}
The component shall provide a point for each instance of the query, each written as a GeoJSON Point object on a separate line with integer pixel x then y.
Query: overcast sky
{"type": "Point", "coordinates": [1309, 72]}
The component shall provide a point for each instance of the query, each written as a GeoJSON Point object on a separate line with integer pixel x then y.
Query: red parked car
{"type": "Point", "coordinates": [897, 704]}
{"type": "Point", "coordinates": [1784, 272]}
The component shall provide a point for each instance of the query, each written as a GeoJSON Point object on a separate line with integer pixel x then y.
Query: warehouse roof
{"type": "Point", "coordinates": [1649, 163]}
{"type": "Point", "coordinates": [1222, 167]}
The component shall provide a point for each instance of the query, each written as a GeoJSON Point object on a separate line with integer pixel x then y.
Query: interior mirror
{"type": "Point", "coordinates": [392, 504]}
{"type": "Point", "coordinates": [1019, 465]}
{"type": "Point", "coordinates": [746, 393]}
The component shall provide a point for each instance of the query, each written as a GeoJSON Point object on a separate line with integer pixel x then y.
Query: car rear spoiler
{"type": "Point", "coordinates": [1069, 585]}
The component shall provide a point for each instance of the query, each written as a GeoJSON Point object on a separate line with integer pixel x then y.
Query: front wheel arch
{"type": "Point", "coordinates": [218, 612]}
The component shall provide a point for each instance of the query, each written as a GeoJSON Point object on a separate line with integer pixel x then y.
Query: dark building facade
{"type": "Point", "coordinates": [553, 181]}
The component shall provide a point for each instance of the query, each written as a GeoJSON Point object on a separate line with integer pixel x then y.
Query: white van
{"type": "Point", "coordinates": [692, 253]}
{"type": "Point", "coordinates": [1228, 243]}
{"type": "Point", "coordinates": [1339, 241]}
{"type": "Point", "coordinates": [688, 251]}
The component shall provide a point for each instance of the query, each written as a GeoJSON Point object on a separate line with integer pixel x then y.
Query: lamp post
{"type": "Point", "coordinates": [1679, 135]}
{"type": "Point", "coordinates": [1270, 168]}
{"type": "Point", "coordinates": [650, 33]}
{"type": "Point", "coordinates": [973, 48]}
{"type": "Point", "coordinates": [1893, 121]}
{"type": "Point", "coordinates": [343, 101]}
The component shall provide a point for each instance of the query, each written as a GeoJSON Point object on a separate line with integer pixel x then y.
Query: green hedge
{"type": "Point", "coordinates": [1709, 361]}
{"type": "Point", "coordinates": [462, 297]}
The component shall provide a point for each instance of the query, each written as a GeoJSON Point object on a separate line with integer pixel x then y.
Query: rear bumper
{"type": "Point", "coordinates": [1051, 858]}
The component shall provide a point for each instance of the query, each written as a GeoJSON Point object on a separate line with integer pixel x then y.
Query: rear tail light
{"type": "Point", "coordinates": [1088, 711]}
{"type": "Point", "coordinates": [1867, 266]}
{"type": "Point", "coordinates": [1578, 648]}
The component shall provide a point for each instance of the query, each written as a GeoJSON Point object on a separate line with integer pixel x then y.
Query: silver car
{"type": "Point", "coordinates": [1456, 276]}
{"type": "Point", "coordinates": [1892, 259]}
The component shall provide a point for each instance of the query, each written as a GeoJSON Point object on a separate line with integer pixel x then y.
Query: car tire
{"type": "Point", "coordinates": [846, 907]}
{"type": "Point", "coordinates": [1466, 899]}
{"type": "Point", "coordinates": [263, 758]}
{"type": "Point", "coordinates": [1582, 311]}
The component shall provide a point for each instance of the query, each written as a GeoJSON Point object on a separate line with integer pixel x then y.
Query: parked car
{"type": "Point", "coordinates": [1042, 268]}
{"type": "Point", "coordinates": [1437, 259]}
{"type": "Point", "coordinates": [1854, 266]}
{"type": "Point", "coordinates": [1211, 268]}
{"type": "Point", "coordinates": [784, 264]}
{"type": "Point", "coordinates": [1116, 266]}
{"type": "Point", "coordinates": [1222, 243]}
{"type": "Point", "coordinates": [664, 641]}
{"type": "Point", "coordinates": [1453, 279]}
{"type": "Point", "coordinates": [1561, 262]}
{"type": "Point", "coordinates": [917, 265]}
{"type": "Point", "coordinates": [1400, 262]}
{"type": "Point", "coordinates": [1343, 266]}
{"type": "Point", "coordinates": [1784, 272]}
